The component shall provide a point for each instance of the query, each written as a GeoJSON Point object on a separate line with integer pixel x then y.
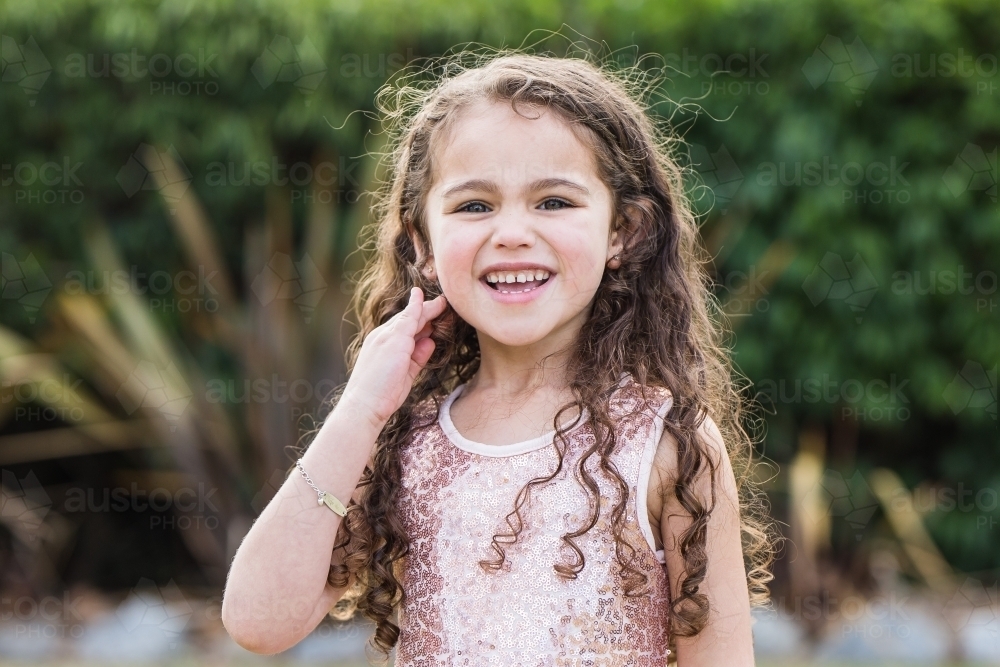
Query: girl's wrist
{"type": "Point", "coordinates": [355, 411]}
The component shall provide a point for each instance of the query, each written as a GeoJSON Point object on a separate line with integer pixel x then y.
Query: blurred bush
{"type": "Point", "coordinates": [208, 154]}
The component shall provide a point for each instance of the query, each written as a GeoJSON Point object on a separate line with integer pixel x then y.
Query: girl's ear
{"type": "Point", "coordinates": [623, 235]}
{"type": "Point", "coordinates": [425, 258]}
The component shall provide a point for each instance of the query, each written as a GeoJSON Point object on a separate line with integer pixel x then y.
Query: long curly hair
{"type": "Point", "coordinates": [655, 317]}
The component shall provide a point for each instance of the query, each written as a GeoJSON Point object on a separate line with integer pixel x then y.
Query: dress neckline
{"type": "Point", "coordinates": [460, 441]}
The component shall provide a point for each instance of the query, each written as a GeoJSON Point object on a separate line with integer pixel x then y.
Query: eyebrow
{"type": "Point", "coordinates": [483, 185]}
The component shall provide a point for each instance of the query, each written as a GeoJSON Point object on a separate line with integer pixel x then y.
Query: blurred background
{"type": "Point", "coordinates": [181, 190]}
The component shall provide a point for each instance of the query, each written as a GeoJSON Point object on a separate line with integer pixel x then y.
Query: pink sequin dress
{"type": "Point", "coordinates": [455, 495]}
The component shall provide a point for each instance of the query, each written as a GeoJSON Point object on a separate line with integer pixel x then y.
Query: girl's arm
{"type": "Point", "coordinates": [277, 590]}
{"type": "Point", "coordinates": [727, 638]}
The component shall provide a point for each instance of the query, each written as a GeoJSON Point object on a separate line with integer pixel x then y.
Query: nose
{"type": "Point", "coordinates": [513, 230]}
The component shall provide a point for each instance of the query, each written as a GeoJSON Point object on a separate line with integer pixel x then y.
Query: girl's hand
{"type": "Point", "coordinates": [391, 357]}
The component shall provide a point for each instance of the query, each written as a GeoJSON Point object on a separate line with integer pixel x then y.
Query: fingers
{"type": "Point", "coordinates": [410, 315]}
{"type": "Point", "coordinates": [425, 331]}
{"type": "Point", "coordinates": [413, 306]}
{"type": "Point", "coordinates": [422, 352]}
{"type": "Point", "coordinates": [418, 312]}
{"type": "Point", "coordinates": [433, 308]}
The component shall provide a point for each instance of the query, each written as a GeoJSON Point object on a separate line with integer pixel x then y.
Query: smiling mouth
{"type": "Point", "coordinates": [516, 283]}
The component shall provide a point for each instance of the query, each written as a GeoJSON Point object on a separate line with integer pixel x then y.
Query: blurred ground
{"type": "Point", "coordinates": [164, 627]}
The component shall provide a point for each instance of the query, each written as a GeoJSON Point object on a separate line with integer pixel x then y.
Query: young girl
{"type": "Point", "coordinates": [539, 460]}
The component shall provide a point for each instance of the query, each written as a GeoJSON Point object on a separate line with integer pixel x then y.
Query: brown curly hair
{"type": "Point", "coordinates": [655, 317]}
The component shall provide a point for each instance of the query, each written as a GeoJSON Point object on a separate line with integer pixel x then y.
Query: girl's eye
{"type": "Point", "coordinates": [474, 207]}
{"type": "Point", "coordinates": [555, 204]}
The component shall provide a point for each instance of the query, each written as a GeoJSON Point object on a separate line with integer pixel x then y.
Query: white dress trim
{"type": "Point", "coordinates": [645, 470]}
{"type": "Point", "coordinates": [460, 441]}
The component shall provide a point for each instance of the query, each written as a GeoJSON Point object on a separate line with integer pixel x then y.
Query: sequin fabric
{"type": "Point", "coordinates": [455, 495]}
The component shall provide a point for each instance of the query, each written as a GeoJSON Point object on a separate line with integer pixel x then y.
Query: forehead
{"type": "Point", "coordinates": [489, 140]}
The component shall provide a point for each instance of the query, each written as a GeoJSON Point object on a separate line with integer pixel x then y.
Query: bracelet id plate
{"type": "Point", "coordinates": [333, 504]}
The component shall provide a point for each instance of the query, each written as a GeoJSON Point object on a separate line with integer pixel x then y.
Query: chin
{"type": "Point", "coordinates": [515, 336]}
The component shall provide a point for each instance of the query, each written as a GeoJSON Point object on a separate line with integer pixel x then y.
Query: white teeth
{"type": "Point", "coordinates": [518, 277]}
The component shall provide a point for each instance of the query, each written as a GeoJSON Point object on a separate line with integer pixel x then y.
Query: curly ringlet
{"type": "Point", "coordinates": [654, 317]}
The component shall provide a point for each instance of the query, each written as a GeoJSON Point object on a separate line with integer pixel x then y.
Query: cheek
{"type": "Point", "coordinates": [583, 260]}
{"type": "Point", "coordinates": [454, 258]}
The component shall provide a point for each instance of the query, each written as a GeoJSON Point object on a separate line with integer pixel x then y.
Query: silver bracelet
{"type": "Point", "coordinates": [324, 498]}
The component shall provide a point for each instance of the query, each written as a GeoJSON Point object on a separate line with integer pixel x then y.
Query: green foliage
{"type": "Point", "coordinates": [902, 212]}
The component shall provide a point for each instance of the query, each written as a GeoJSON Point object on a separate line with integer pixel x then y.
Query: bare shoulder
{"type": "Point", "coordinates": [664, 471]}
{"type": "Point", "coordinates": [726, 638]}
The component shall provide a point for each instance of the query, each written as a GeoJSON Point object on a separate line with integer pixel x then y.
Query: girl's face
{"type": "Point", "coordinates": [519, 224]}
